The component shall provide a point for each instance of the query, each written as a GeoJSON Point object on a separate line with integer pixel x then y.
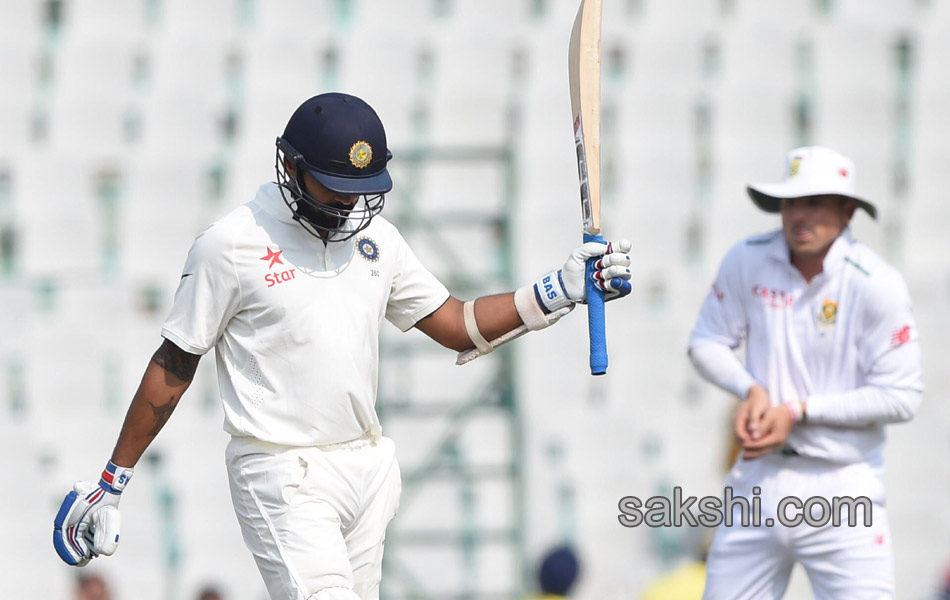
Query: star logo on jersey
{"type": "Point", "coordinates": [368, 249]}
{"type": "Point", "coordinates": [273, 257]}
{"type": "Point", "coordinates": [829, 312]}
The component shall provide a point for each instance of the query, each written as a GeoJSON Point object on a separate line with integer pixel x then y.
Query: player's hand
{"type": "Point", "coordinates": [748, 419]}
{"type": "Point", "coordinates": [774, 426]}
{"type": "Point", "coordinates": [611, 274]}
{"type": "Point", "coordinates": [88, 520]}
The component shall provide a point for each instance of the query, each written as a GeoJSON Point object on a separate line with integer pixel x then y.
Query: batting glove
{"type": "Point", "coordinates": [88, 521]}
{"type": "Point", "coordinates": [565, 286]}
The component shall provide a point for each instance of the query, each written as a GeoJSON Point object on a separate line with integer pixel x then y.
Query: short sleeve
{"type": "Point", "coordinates": [208, 294]}
{"type": "Point", "coordinates": [416, 293]}
{"type": "Point", "coordinates": [722, 317]}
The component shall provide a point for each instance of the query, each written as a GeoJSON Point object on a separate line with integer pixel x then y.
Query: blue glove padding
{"type": "Point", "coordinates": [88, 521]}
{"type": "Point", "coordinates": [566, 286]}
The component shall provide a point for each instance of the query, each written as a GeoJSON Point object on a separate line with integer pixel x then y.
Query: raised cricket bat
{"type": "Point", "coordinates": [584, 70]}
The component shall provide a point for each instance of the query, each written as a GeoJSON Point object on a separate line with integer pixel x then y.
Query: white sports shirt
{"type": "Point", "coordinates": [845, 343]}
{"type": "Point", "coordinates": [295, 322]}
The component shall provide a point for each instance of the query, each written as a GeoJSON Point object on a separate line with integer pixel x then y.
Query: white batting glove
{"type": "Point", "coordinates": [567, 285]}
{"type": "Point", "coordinates": [555, 294]}
{"type": "Point", "coordinates": [88, 521]}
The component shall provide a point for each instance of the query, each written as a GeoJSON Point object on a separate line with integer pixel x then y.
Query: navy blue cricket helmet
{"type": "Point", "coordinates": [340, 141]}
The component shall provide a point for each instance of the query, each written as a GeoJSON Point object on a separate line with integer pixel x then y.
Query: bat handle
{"type": "Point", "coordinates": [595, 315]}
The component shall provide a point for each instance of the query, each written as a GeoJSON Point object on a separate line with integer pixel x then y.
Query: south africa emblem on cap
{"type": "Point", "coordinates": [361, 154]}
{"type": "Point", "coordinates": [794, 165]}
{"type": "Point", "coordinates": [367, 249]}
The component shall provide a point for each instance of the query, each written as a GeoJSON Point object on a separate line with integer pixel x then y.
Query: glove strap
{"type": "Point", "coordinates": [550, 293]}
{"type": "Point", "coordinates": [114, 478]}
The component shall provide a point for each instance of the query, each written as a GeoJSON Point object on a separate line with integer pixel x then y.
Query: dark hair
{"type": "Point", "coordinates": [558, 571]}
{"type": "Point", "coordinates": [210, 593]}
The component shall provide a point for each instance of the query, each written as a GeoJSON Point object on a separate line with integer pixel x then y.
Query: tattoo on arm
{"type": "Point", "coordinates": [176, 361]}
{"type": "Point", "coordinates": [161, 413]}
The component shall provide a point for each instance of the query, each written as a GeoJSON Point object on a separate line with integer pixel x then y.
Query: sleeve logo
{"type": "Point", "coordinates": [900, 336]}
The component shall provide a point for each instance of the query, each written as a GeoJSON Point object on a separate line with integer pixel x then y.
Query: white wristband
{"type": "Point", "coordinates": [471, 326]}
{"type": "Point", "coordinates": [529, 308]}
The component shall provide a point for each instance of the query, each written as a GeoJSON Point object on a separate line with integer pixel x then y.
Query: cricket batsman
{"type": "Point", "coordinates": [291, 290]}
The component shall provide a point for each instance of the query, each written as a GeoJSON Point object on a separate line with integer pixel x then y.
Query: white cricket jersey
{"type": "Point", "coordinates": [845, 343]}
{"type": "Point", "coordinates": [295, 322]}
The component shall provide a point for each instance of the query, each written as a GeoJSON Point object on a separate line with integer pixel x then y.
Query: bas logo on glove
{"type": "Point", "coordinates": [88, 521]}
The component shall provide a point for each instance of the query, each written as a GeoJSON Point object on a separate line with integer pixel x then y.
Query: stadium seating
{"type": "Point", "coordinates": [125, 128]}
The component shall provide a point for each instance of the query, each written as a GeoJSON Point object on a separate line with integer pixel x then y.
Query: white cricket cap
{"type": "Point", "coordinates": [810, 171]}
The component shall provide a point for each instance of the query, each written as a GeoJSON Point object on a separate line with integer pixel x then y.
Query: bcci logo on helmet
{"type": "Point", "coordinates": [361, 154]}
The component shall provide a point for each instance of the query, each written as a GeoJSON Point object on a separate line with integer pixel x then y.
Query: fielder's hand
{"type": "Point", "coordinates": [748, 419]}
{"type": "Point", "coordinates": [774, 427]}
{"type": "Point", "coordinates": [762, 428]}
{"type": "Point", "coordinates": [88, 521]}
{"type": "Point", "coordinates": [566, 285]}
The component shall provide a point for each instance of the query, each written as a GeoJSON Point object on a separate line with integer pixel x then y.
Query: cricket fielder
{"type": "Point", "coordinates": [832, 356]}
{"type": "Point", "coordinates": [290, 290]}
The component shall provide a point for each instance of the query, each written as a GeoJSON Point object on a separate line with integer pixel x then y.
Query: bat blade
{"type": "Point", "coordinates": [584, 75]}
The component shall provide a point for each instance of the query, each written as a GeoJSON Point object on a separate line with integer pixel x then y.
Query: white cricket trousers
{"type": "Point", "coordinates": [842, 563]}
{"type": "Point", "coordinates": [315, 517]}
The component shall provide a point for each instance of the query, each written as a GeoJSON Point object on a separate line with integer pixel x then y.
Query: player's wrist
{"type": "Point", "coordinates": [796, 411]}
{"type": "Point", "coordinates": [531, 310]}
{"type": "Point", "coordinates": [114, 478]}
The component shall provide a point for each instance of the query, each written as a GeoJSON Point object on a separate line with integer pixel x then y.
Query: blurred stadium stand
{"type": "Point", "coordinates": [126, 127]}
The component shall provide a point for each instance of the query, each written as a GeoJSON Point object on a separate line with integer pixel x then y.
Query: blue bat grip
{"type": "Point", "coordinates": [595, 315]}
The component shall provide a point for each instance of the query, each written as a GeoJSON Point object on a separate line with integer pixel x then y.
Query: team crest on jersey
{"type": "Point", "coordinates": [829, 312]}
{"type": "Point", "coordinates": [368, 249]}
{"type": "Point", "coordinates": [361, 154]}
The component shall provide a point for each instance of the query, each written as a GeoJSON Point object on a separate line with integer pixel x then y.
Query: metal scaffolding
{"type": "Point", "coordinates": [460, 531]}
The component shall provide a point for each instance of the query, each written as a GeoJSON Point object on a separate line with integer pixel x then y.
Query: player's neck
{"type": "Point", "coordinates": [809, 265]}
